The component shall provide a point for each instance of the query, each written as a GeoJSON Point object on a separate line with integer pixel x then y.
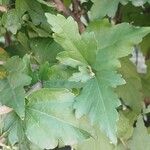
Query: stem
{"type": "Point", "coordinates": [61, 8]}
{"type": "Point", "coordinates": [118, 17]}
{"type": "Point", "coordinates": [7, 39]}
{"type": "Point", "coordinates": [77, 12]}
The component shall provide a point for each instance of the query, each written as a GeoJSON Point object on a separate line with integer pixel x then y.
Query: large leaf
{"type": "Point", "coordinates": [50, 119]}
{"type": "Point", "coordinates": [100, 55]}
{"type": "Point", "coordinates": [11, 88]}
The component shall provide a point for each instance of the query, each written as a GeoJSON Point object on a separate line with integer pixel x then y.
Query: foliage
{"type": "Point", "coordinates": [66, 77]}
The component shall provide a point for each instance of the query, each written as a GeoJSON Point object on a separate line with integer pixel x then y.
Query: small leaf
{"type": "Point", "coordinates": [11, 21]}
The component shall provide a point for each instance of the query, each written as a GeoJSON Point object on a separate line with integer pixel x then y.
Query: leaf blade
{"type": "Point", "coordinates": [50, 115]}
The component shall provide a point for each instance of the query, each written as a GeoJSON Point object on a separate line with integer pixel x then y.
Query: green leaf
{"type": "Point", "coordinates": [145, 46]}
{"type": "Point", "coordinates": [139, 2]}
{"type": "Point", "coordinates": [83, 75]}
{"type": "Point", "coordinates": [11, 88]}
{"type": "Point", "coordinates": [3, 73]}
{"type": "Point", "coordinates": [102, 8]}
{"type": "Point", "coordinates": [146, 110]}
{"type": "Point", "coordinates": [45, 3]}
{"type": "Point", "coordinates": [50, 119]}
{"type": "Point", "coordinates": [45, 49]}
{"type": "Point", "coordinates": [131, 92]}
{"type": "Point", "coordinates": [67, 35]}
{"type": "Point", "coordinates": [3, 55]}
{"type": "Point", "coordinates": [99, 51]}
{"type": "Point", "coordinates": [44, 71]}
{"type": "Point", "coordinates": [39, 31]}
{"type": "Point", "coordinates": [98, 142]}
{"type": "Point", "coordinates": [62, 83]}
{"type": "Point", "coordinates": [11, 21]}
{"type": "Point", "coordinates": [134, 15]}
{"type": "Point", "coordinates": [58, 78]}
{"type": "Point", "coordinates": [74, 60]}
{"type": "Point", "coordinates": [140, 138]}
{"type": "Point", "coordinates": [14, 129]}
{"type": "Point", "coordinates": [23, 40]}
{"type": "Point", "coordinates": [124, 127]}
{"type": "Point", "coordinates": [70, 58]}
{"type": "Point", "coordinates": [96, 101]}
{"type": "Point", "coordinates": [33, 8]}
{"type": "Point", "coordinates": [4, 2]}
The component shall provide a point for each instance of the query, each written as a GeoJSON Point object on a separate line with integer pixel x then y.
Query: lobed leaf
{"type": "Point", "coordinates": [50, 119]}
{"type": "Point", "coordinates": [99, 51]}
{"type": "Point", "coordinates": [131, 92]}
{"type": "Point", "coordinates": [12, 87]}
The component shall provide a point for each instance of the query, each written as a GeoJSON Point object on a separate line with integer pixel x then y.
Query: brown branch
{"type": "Point", "coordinates": [75, 6]}
{"type": "Point", "coordinates": [118, 17]}
{"type": "Point", "coordinates": [7, 37]}
{"type": "Point", "coordinates": [61, 8]}
{"type": "Point", "coordinates": [76, 13]}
